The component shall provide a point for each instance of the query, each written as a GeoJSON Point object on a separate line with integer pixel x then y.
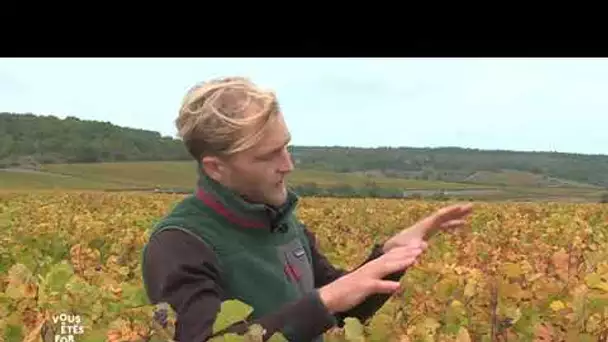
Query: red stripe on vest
{"type": "Point", "coordinates": [291, 272]}
{"type": "Point", "coordinates": [222, 210]}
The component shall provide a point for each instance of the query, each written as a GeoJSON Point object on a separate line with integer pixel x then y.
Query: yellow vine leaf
{"type": "Point", "coordinates": [510, 312]}
{"type": "Point", "coordinates": [557, 305]}
{"type": "Point", "coordinates": [511, 270]}
{"type": "Point", "coordinates": [457, 307]}
{"type": "Point", "coordinates": [470, 288]}
{"type": "Point", "coordinates": [595, 281]}
{"type": "Point", "coordinates": [602, 268]}
{"type": "Point", "coordinates": [594, 323]}
{"type": "Point", "coordinates": [514, 291]}
{"type": "Point", "coordinates": [21, 283]}
{"type": "Point", "coordinates": [427, 328]}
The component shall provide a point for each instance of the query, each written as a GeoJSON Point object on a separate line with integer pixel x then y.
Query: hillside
{"type": "Point", "coordinates": [181, 176]}
{"type": "Point", "coordinates": [27, 141]}
{"type": "Point", "coordinates": [459, 164]}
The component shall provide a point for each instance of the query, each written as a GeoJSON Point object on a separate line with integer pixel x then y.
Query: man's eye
{"type": "Point", "coordinates": [271, 155]}
{"type": "Point", "coordinates": [267, 157]}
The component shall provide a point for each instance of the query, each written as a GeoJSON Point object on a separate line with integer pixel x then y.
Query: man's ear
{"type": "Point", "coordinates": [213, 167]}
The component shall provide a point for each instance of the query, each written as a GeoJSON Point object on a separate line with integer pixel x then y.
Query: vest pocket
{"type": "Point", "coordinates": [296, 267]}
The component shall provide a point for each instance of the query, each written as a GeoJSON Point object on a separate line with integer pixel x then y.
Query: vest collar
{"type": "Point", "coordinates": [244, 214]}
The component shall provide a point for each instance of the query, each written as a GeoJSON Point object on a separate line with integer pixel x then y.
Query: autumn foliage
{"type": "Point", "coordinates": [518, 272]}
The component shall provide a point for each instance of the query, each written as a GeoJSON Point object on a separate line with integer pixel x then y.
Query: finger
{"type": "Point", "coordinates": [385, 286]}
{"type": "Point", "coordinates": [412, 252]}
{"type": "Point", "coordinates": [445, 226]}
{"type": "Point", "coordinates": [409, 254]}
{"type": "Point", "coordinates": [453, 224]}
{"type": "Point", "coordinates": [394, 266]}
{"type": "Point", "coordinates": [403, 252]}
{"type": "Point", "coordinates": [395, 255]}
{"type": "Point", "coordinates": [452, 212]}
{"type": "Point", "coordinates": [465, 209]}
{"type": "Point", "coordinates": [414, 244]}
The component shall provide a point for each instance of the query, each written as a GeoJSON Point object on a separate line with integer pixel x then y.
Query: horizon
{"type": "Point", "coordinates": [347, 146]}
{"type": "Point", "coordinates": [565, 94]}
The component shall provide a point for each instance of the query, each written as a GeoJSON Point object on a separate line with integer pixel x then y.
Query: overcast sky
{"type": "Point", "coordinates": [519, 104]}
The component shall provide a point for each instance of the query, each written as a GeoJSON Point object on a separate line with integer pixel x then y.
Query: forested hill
{"type": "Point", "coordinates": [48, 139]}
{"type": "Point", "coordinates": [457, 164]}
{"type": "Point", "coordinates": [29, 139]}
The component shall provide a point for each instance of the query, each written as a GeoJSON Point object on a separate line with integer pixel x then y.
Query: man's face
{"type": "Point", "coordinates": [258, 174]}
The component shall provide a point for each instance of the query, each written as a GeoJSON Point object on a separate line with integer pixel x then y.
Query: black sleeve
{"type": "Point", "coordinates": [182, 271]}
{"type": "Point", "coordinates": [325, 273]}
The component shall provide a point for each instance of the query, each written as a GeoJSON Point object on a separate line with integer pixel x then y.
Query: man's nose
{"type": "Point", "coordinates": [287, 164]}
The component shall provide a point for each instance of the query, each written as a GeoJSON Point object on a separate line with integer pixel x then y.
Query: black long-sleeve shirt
{"type": "Point", "coordinates": [184, 272]}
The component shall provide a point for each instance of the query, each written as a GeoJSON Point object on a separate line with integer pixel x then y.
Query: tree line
{"type": "Point", "coordinates": [28, 138]}
{"type": "Point", "coordinates": [35, 139]}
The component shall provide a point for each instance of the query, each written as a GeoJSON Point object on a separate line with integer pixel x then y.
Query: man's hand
{"type": "Point", "coordinates": [353, 288]}
{"type": "Point", "coordinates": [447, 218]}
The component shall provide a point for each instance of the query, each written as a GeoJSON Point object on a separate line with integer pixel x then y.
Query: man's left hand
{"type": "Point", "coordinates": [444, 219]}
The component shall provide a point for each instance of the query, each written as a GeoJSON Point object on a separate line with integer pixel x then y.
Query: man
{"type": "Point", "coordinates": [238, 237]}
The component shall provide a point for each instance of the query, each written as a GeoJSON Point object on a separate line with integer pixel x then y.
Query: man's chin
{"type": "Point", "coordinates": [278, 198]}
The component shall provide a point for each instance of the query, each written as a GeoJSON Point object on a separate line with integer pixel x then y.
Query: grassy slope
{"type": "Point", "coordinates": [10, 180]}
{"type": "Point", "coordinates": [132, 174]}
{"type": "Point", "coordinates": [182, 175]}
{"type": "Point", "coordinates": [522, 179]}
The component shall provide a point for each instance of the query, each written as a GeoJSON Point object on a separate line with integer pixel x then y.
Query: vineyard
{"type": "Point", "coordinates": [70, 266]}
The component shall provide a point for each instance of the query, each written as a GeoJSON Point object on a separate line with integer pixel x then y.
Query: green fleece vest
{"type": "Point", "coordinates": [263, 252]}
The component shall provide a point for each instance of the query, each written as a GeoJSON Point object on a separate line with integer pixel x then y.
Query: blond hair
{"type": "Point", "coordinates": [224, 116]}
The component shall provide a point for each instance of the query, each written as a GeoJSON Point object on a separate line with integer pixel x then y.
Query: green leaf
{"type": "Point", "coordinates": [232, 337]}
{"type": "Point", "coordinates": [380, 327]}
{"type": "Point", "coordinates": [231, 311]}
{"type": "Point", "coordinates": [114, 308]}
{"type": "Point", "coordinates": [597, 303]}
{"type": "Point", "coordinates": [354, 330]}
{"type": "Point", "coordinates": [255, 333]}
{"type": "Point", "coordinates": [58, 276]}
{"type": "Point", "coordinates": [13, 333]}
{"type": "Point", "coordinates": [134, 296]}
{"type": "Point", "coordinates": [277, 337]}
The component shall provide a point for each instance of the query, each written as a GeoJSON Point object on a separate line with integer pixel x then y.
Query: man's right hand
{"type": "Point", "coordinates": [353, 288]}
